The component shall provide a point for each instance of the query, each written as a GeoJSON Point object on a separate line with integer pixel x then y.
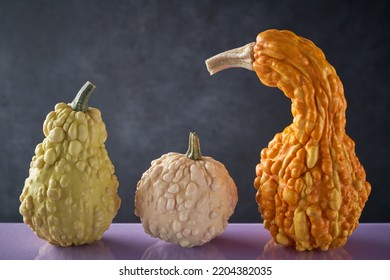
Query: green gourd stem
{"type": "Point", "coordinates": [80, 103]}
{"type": "Point", "coordinates": [193, 151]}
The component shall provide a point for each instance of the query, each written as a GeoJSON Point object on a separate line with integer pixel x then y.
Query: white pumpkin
{"type": "Point", "coordinates": [187, 198]}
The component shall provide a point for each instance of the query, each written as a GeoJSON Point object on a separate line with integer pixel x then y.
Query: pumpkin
{"type": "Point", "coordinates": [187, 198]}
{"type": "Point", "coordinates": [311, 187]}
{"type": "Point", "coordinates": [70, 196]}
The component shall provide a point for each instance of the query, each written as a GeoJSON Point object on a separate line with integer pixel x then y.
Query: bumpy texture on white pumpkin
{"type": "Point", "coordinates": [70, 196]}
{"type": "Point", "coordinates": [185, 201]}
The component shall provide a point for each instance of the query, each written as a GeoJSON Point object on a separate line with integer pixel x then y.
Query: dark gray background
{"type": "Point", "coordinates": [147, 60]}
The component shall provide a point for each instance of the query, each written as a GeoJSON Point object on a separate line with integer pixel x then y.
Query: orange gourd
{"type": "Point", "coordinates": [311, 187]}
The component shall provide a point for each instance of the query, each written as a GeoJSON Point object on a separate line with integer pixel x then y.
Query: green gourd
{"type": "Point", "coordinates": [70, 196]}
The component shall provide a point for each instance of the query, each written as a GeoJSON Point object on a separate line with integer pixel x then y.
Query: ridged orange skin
{"type": "Point", "coordinates": [311, 187]}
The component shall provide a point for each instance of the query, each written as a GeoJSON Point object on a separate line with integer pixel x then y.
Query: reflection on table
{"type": "Point", "coordinates": [162, 250]}
{"type": "Point", "coordinates": [97, 251]}
{"type": "Point", "coordinates": [274, 251]}
{"type": "Point", "coordinates": [237, 242]}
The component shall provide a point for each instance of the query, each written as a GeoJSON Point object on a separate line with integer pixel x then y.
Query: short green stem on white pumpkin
{"type": "Point", "coordinates": [193, 151]}
{"type": "Point", "coordinates": [80, 103]}
{"type": "Point", "coordinates": [239, 57]}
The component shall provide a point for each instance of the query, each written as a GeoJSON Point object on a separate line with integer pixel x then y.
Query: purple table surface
{"type": "Point", "coordinates": [238, 242]}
